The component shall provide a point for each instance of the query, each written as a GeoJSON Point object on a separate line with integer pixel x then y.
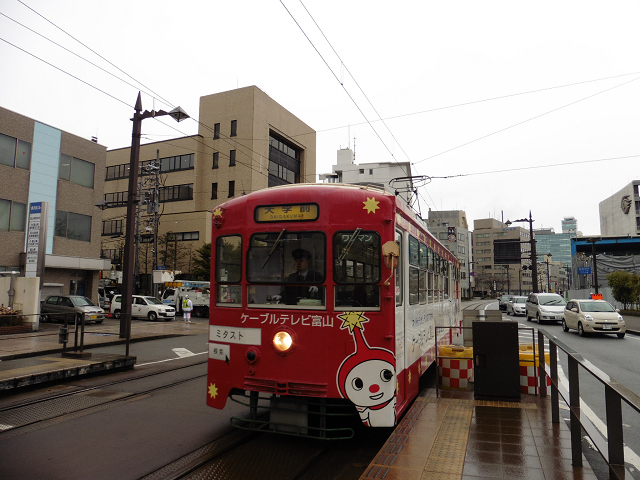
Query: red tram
{"type": "Point", "coordinates": [324, 295]}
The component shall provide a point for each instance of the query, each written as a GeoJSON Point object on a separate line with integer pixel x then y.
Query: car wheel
{"type": "Point", "coordinates": [44, 318]}
{"type": "Point", "coordinates": [508, 312]}
{"type": "Point", "coordinates": [116, 314]}
{"type": "Point", "coordinates": [564, 326]}
{"type": "Point", "coordinates": [98, 322]}
{"type": "Point", "coordinates": [620, 335]}
{"type": "Point", "coordinates": [77, 319]}
{"type": "Point", "coordinates": [153, 316]}
{"type": "Point", "coordinates": [538, 318]}
{"type": "Point", "coordinates": [580, 329]}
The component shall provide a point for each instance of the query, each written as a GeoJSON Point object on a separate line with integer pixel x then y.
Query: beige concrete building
{"type": "Point", "coordinates": [40, 163]}
{"type": "Point", "coordinates": [620, 213]}
{"type": "Point", "coordinates": [499, 256]}
{"type": "Point", "coordinates": [245, 142]}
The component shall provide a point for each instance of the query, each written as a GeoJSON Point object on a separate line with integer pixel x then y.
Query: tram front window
{"type": "Point", "coordinates": [286, 268]}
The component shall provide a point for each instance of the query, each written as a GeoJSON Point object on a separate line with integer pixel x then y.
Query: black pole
{"type": "Point", "coordinates": [534, 256]}
{"type": "Point", "coordinates": [129, 244]}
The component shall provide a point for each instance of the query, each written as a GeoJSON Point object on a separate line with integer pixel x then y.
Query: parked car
{"type": "Point", "coordinates": [545, 307]}
{"type": "Point", "coordinates": [149, 307]}
{"type": "Point", "coordinates": [502, 302]}
{"type": "Point", "coordinates": [517, 306]}
{"type": "Point", "coordinates": [593, 316]}
{"type": "Point", "coordinates": [57, 307]}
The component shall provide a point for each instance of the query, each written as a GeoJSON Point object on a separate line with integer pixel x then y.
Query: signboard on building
{"type": "Point", "coordinates": [36, 239]}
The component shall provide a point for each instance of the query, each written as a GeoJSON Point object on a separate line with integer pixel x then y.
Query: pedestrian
{"type": "Point", "coordinates": [187, 306]}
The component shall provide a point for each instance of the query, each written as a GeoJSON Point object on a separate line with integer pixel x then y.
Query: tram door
{"type": "Point", "coordinates": [400, 314]}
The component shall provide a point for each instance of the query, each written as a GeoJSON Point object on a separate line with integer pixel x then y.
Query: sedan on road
{"type": "Point", "coordinates": [517, 306]}
{"type": "Point", "coordinates": [148, 307]}
{"type": "Point", "coordinates": [593, 316]}
{"type": "Point", "coordinates": [73, 307]}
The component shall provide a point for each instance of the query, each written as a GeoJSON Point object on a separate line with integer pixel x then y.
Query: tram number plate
{"type": "Point", "coordinates": [606, 327]}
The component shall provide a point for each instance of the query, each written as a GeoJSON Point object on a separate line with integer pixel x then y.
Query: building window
{"type": "Point", "coordinates": [216, 159]}
{"type": "Point", "coordinates": [13, 216]}
{"type": "Point", "coordinates": [284, 162]}
{"type": "Point", "coordinates": [371, 171]}
{"type": "Point", "coordinates": [232, 188]}
{"type": "Point", "coordinates": [234, 128]}
{"type": "Point", "coordinates": [11, 156]}
{"type": "Point", "coordinates": [110, 227]}
{"type": "Point", "coordinates": [73, 226]}
{"type": "Point", "coordinates": [362, 171]}
{"type": "Point", "coordinates": [176, 192]}
{"type": "Point", "coordinates": [185, 236]}
{"type": "Point", "coordinates": [116, 199]}
{"type": "Point", "coordinates": [216, 131]}
{"type": "Point", "coordinates": [232, 158]}
{"type": "Point", "coordinates": [76, 170]}
{"type": "Point", "coordinates": [214, 191]}
{"type": "Point", "coordinates": [117, 171]}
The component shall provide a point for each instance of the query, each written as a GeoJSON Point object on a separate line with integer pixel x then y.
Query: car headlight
{"type": "Point", "coordinates": [620, 319]}
{"type": "Point", "coordinates": [588, 318]}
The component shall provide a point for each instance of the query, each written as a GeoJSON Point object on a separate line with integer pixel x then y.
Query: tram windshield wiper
{"type": "Point", "coordinates": [349, 244]}
{"type": "Point", "coordinates": [274, 247]}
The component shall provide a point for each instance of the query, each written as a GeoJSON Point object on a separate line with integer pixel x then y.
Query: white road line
{"type": "Point", "coordinates": [630, 456]}
{"type": "Point", "coordinates": [169, 359]}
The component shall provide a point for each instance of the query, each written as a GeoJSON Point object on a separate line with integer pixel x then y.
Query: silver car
{"type": "Point", "coordinates": [593, 316]}
{"type": "Point", "coordinates": [545, 307]}
{"type": "Point", "coordinates": [72, 307]}
{"type": "Point", "coordinates": [517, 306]}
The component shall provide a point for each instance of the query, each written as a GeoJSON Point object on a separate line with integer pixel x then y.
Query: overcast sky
{"type": "Point", "coordinates": [507, 106]}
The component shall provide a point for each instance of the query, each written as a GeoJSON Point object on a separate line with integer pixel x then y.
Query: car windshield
{"type": "Point", "coordinates": [505, 298]}
{"type": "Point", "coordinates": [81, 301]}
{"type": "Point", "coordinates": [519, 299]}
{"type": "Point", "coordinates": [596, 307]}
{"type": "Point", "coordinates": [552, 300]}
{"type": "Point", "coordinates": [153, 300]}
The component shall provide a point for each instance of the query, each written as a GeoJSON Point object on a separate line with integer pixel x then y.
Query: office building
{"type": "Point", "coordinates": [620, 213]}
{"type": "Point", "coordinates": [245, 142]}
{"type": "Point", "coordinates": [41, 163]}
{"type": "Point", "coordinates": [452, 229]}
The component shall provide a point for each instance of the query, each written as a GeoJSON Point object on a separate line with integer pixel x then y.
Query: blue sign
{"type": "Point", "coordinates": [584, 270]}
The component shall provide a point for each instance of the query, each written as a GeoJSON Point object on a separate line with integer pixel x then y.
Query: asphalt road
{"type": "Point", "coordinates": [129, 439]}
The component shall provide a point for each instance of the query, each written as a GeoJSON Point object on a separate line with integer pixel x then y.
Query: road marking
{"type": "Point", "coordinates": [169, 359]}
{"type": "Point", "coordinates": [4, 426]}
{"type": "Point", "coordinates": [183, 352]}
{"type": "Point", "coordinates": [630, 456]}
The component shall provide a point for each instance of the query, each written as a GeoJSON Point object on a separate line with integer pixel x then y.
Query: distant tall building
{"type": "Point", "coordinates": [500, 252]}
{"type": "Point", "coordinates": [559, 262]}
{"type": "Point", "coordinates": [451, 228]}
{"type": "Point", "coordinates": [620, 213]}
{"type": "Point", "coordinates": [570, 226]}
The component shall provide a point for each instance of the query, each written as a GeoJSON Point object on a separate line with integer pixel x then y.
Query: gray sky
{"type": "Point", "coordinates": [535, 103]}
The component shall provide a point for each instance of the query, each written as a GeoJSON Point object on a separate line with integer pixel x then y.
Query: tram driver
{"type": "Point", "coordinates": [292, 294]}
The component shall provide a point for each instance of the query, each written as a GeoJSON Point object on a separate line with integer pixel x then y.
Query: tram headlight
{"type": "Point", "coordinates": [282, 341]}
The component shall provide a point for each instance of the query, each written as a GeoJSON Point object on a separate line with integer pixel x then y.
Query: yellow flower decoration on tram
{"type": "Point", "coordinates": [213, 390]}
{"type": "Point", "coordinates": [371, 205]}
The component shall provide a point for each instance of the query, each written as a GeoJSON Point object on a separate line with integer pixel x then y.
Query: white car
{"type": "Point", "coordinates": [517, 306]}
{"type": "Point", "coordinates": [593, 316]}
{"type": "Point", "coordinates": [545, 307]}
{"type": "Point", "coordinates": [149, 307]}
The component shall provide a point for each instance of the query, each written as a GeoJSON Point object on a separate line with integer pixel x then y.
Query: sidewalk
{"type": "Point", "coordinates": [28, 359]}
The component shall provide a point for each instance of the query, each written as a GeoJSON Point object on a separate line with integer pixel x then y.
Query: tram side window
{"type": "Point", "coordinates": [356, 269]}
{"type": "Point", "coordinates": [398, 271]}
{"type": "Point", "coordinates": [228, 270]}
{"type": "Point", "coordinates": [286, 268]}
{"type": "Point", "coordinates": [418, 274]}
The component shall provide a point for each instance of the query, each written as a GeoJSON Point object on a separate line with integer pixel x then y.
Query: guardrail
{"type": "Point", "coordinates": [611, 444]}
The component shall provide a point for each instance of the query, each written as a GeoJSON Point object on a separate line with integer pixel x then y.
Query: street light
{"type": "Point", "coordinates": [132, 200]}
{"type": "Point", "coordinates": [534, 260]}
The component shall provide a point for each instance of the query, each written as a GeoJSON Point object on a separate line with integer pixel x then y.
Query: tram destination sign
{"type": "Point", "coordinates": [287, 213]}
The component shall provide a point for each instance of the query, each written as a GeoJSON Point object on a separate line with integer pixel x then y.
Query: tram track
{"type": "Point", "coordinates": [36, 413]}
